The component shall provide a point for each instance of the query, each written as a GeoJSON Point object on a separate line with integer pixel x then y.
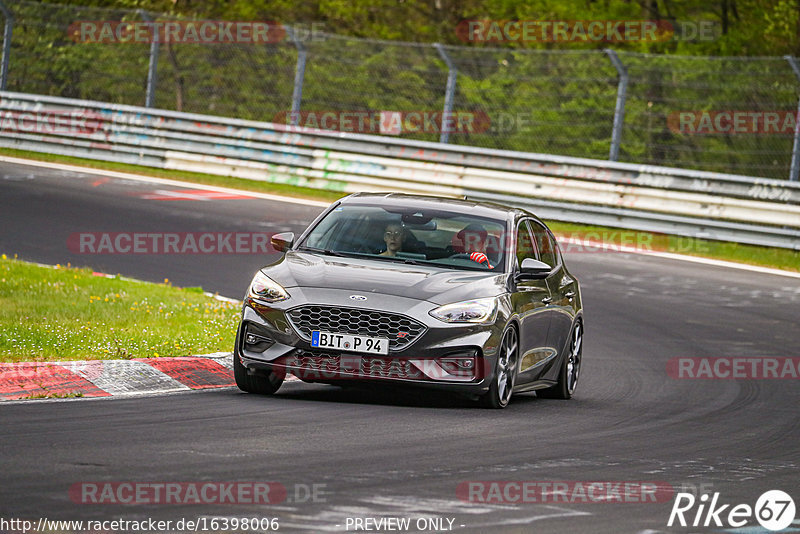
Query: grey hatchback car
{"type": "Point", "coordinates": [462, 296]}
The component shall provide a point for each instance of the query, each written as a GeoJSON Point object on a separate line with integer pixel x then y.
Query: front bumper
{"type": "Point", "coordinates": [276, 345]}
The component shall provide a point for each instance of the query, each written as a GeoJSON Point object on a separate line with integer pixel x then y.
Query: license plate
{"type": "Point", "coordinates": [347, 342]}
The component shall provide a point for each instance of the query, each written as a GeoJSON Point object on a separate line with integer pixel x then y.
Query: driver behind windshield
{"type": "Point", "coordinates": [473, 240]}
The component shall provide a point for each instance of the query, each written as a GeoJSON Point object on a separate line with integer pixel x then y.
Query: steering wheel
{"type": "Point", "coordinates": [478, 257]}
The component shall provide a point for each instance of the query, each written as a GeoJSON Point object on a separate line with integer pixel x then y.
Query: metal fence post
{"type": "Point", "coordinates": [619, 109]}
{"type": "Point", "coordinates": [450, 91]}
{"type": "Point", "coordinates": [152, 69]}
{"type": "Point", "coordinates": [795, 167]}
{"type": "Point", "coordinates": [299, 76]}
{"type": "Point", "coordinates": [9, 23]}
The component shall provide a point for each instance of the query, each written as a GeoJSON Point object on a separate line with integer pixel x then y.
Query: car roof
{"type": "Point", "coordinates": [480, 209]}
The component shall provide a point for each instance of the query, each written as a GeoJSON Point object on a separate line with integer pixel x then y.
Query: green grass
{"type": "Point", "coordinates": [50, 395]}
{"type": "Point", "coordinates": [64, 313]}
{"type": "Point", "coordinates": [754, 255]}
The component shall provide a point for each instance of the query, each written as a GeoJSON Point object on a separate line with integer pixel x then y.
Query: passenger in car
{"type": "Point", "coordinates": [393, 237]}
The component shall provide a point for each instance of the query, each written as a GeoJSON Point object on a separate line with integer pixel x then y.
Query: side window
{"type": "Point", "coordinates": [548, 248]}
{"type": "Point", "coordinates": [526, 248]}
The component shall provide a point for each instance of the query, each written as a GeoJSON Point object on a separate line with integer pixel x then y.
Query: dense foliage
{"type": "Point", "coordinates": [377, 55]}
{"type": "Point", "coordinates": [746, 27]}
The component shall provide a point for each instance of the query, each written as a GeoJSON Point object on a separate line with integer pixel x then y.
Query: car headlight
{"type": "Point", "coordinates": [265, 288]}
{"type": "Point", "coordinates": [468, 311]}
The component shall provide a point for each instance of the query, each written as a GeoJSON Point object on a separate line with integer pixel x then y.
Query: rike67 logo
{"type": "Point", "coordinates": [774, 510]}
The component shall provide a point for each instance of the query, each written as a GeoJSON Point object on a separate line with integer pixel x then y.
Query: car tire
{"type": "Point", "coordinates": [570, 368]}
{"type": "Point", "coordinates": [263, 382]}
{"type": "Point", "coordinates": [505, 372]}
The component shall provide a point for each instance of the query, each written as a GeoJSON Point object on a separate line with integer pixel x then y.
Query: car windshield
{"type": "Point", "coordinates": [411, 235]}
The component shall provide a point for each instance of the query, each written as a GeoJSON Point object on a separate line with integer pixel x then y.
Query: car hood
{"type": "Point", "coordinates": [367, 276]}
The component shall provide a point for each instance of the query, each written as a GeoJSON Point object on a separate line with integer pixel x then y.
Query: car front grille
{"type": "Point", "coordinates": [322, 365]}
{"type": "Point", "coordinates": [401, 331]}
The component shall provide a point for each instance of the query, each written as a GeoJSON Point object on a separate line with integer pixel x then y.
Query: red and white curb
{"type": "Point", "coordinates": [106, 378]}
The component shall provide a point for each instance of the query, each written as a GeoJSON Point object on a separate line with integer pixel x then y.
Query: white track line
{"type": "Point", "coordinates": [680, 257]}
{"type": "Point", "coordinates": [305, 202]}
{"type": "Point", "coordinates": [722, 263]}
{"type": "Point", "coordinates": [162, 181]}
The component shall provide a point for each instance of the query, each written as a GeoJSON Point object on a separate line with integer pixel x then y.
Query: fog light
{"type": "Point", "coordinates": [458, 365]}
{"type": "Point", "coordinates": [255, 340]}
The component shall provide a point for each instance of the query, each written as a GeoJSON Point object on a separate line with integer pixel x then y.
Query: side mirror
{"type": "Point", "coordinates": [283, 241]}
{"type": "Point", "coordinates": [534, 269]}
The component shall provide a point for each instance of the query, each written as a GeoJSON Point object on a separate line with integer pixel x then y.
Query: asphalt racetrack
{"type": "Point", "coordinates": [350, 453]}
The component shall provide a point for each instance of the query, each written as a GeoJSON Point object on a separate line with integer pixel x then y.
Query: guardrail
{"type": "Point", "coordinates": [659, 199]}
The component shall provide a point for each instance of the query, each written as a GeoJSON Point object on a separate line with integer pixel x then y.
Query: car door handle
{"type": "Point", "coordinates": [570, 295]}
{"type": "Point", "coordinates": [547, 300]}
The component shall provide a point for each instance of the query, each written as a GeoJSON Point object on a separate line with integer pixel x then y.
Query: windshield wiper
{"type": "Point", "coordinates": [326, 251]}
{"type": "Point", "coordinates": [455, 267]}
{"type": "Point", "coordinates": [421, 262]}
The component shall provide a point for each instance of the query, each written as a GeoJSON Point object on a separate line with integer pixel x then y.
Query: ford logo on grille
{"type": "Point", "coordinates": [358, 297]}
